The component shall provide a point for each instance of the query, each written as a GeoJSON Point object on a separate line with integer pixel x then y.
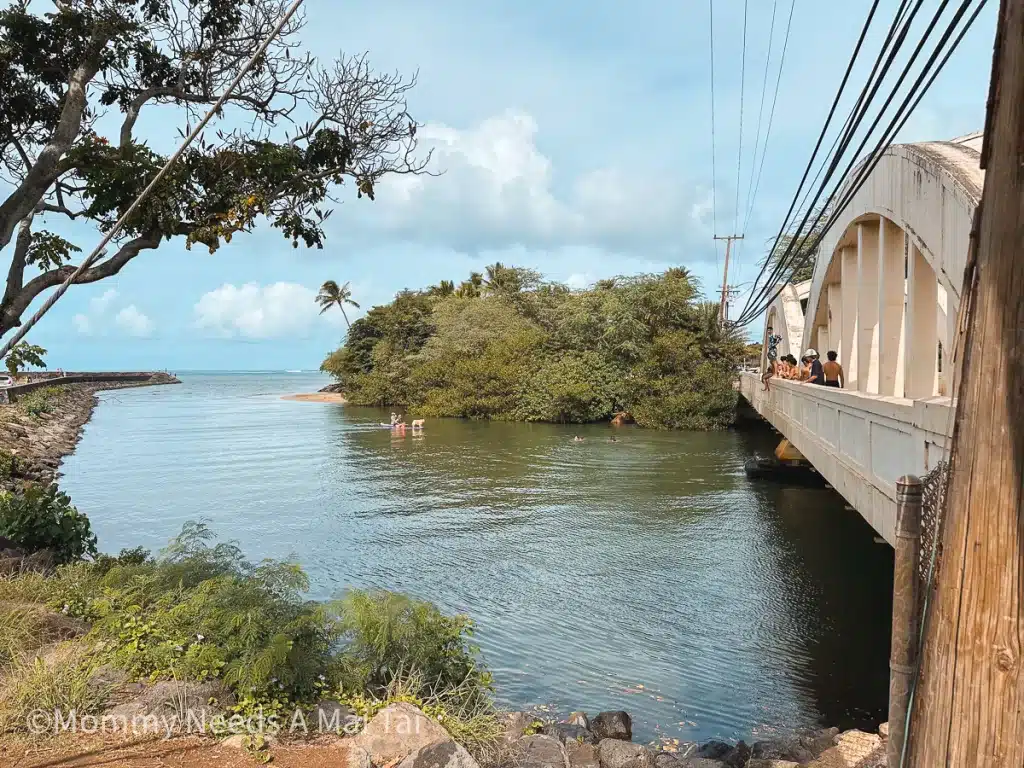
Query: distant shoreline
{"type": "Point", "coordinates": [317, 397]}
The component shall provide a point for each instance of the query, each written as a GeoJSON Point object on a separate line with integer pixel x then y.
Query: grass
{"type": "Point", "coordinates": [60, 680]}
{"type": "Point", "coordinates": [200, 611]}
{"type": "Point", "coordinates": [20, 628]}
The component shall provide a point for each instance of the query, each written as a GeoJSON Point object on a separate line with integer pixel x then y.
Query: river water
{"type": "Point", "coordinates": [645, 574]}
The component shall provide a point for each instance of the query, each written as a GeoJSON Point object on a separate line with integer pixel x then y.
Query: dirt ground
{"type": "Point", "coordinates": [156, 752]}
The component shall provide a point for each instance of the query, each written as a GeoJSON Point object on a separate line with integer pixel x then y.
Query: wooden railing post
{"type": "Point", "coordinates": [905, 609]}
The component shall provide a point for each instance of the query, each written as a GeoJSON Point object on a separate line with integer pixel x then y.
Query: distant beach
{"type": "Point", "coordinates": [317, 397]}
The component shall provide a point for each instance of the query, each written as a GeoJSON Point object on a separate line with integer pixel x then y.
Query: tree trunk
{"type": "Point", "coordinates": [970, 709]}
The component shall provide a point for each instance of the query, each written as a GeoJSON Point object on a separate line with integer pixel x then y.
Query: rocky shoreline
{"type": "Point", "coordinates": [32, 445]}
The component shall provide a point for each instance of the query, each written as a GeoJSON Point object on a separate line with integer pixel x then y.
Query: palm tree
{"type": "Point", "coordinates": [331, 294]}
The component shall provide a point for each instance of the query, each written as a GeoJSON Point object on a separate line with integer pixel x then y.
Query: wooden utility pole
{"type": "Point", "coordinates": [725, 274]}
{"type": "Point", "coordinates": [970, 698]}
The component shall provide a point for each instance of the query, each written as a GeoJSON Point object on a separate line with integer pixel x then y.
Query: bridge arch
{"type": "Point", "coordinates": [886, 286]}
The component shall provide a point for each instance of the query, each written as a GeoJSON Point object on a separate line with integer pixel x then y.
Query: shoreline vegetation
{"type": "Point", "coordinates": [227, 660]}
{"type": "Point", "coordinates": [509, 345]}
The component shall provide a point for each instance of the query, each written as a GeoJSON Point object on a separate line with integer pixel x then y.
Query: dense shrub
{"type": "Point", "coordinates": [510, 347]}
{"type": "Point", "coordinates": [388, 636]}
{"type": "Point", "coordinates": [43, 518]}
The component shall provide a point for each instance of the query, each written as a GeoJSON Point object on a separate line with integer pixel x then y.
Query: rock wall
{"type": "Point", "coordinates": [38, 443]}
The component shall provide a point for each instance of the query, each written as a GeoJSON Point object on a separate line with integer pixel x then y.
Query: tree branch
{"type": "Point", "coordinates": [46, 168]}
{"type": "Point", "coordinates": [15, 305]}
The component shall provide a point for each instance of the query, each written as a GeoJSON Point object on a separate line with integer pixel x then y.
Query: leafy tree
{"type": "Point", "coordinates": [513, 347]}
{"type": "Point", "coordinates": [22, 355]}
{"type": "Point", "coordinates": [60, 70]}
{"type": "Point", "coordinates": [333, 295]}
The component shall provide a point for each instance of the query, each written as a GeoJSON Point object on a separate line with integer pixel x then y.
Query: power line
{"type": "Point", "coordinates": [119, 225]}
{"type": "Point", "coordinates": [794, 252]}
{"type": "Point", "coordinates": [821, 135]}
{"type": "Point", "coordinates": [910, 102]}
{"type": "Point", "coordinates": [756, 183]}
{"type": "Point", "coordinates": [841, 142]}
{"type": "Point", "coordinates": [739, 151]}
{"type": "Point", "coordinates": [714, 174]}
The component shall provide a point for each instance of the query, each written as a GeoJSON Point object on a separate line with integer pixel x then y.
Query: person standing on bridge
{"type": "Point", "coordinates": [815, 372]}
{"type": "Point", "coordinates": [833, 371]}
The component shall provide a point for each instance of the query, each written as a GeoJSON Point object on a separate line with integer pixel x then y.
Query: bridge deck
{"type": "Point", "coordinates": [860, 443]}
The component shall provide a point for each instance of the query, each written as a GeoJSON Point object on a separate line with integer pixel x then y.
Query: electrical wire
{"type": "Point", "coordinates": [910, 102]}
{"type": "Point", "coordinates": [842, 142]}
{"type": "Point", "coordinates": [796, 247]}
{"type": "Point", "coordinates": [824, 130]}
{"type": "Point", "coordinates": [119, 225]}
{"type": "Point", "coordinates": [739, 151]}
{"type": "Point", "coordinates": [714, 173]}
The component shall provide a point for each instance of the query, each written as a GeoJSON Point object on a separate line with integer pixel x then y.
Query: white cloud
{"type": "Point", "coordinates": [82, 323]}
{"type": "Point", "coordinates": [99, 304]}
{"type": "Point", "coordinates": [499, 190]}
{"type": "Point", "coordinates": [101, 317]}
{"type": "Point", "coordinates": [578, 281]}
{"type": "Point", "coordinates": [261, 312]}
{"type": "Point", "coordinates": [133, 322]}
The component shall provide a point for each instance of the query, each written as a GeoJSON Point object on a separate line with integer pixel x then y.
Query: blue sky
{"type": "Point", "coordinates": [574, 137]}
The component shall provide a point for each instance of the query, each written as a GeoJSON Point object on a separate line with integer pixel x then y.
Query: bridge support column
{"type": "Point", "coordinates": [890, 309]}
{"type": "Point", "coordinates": [922, 326]}
{"type": "Point", "coordinates": [850, 291]}
{"type": "Point", "coordinates": [906, 616]}
{"type": "Point", "coordinates": [835, 321]}
{"type": "Point", "coordinates": [867, 307]}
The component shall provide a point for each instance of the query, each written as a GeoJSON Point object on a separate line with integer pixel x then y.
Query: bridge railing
{"type": "Point", "coordinates": [861, 443]}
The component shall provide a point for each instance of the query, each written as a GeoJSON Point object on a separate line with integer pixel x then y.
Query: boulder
{"type": "Point", "coordinates": [516, 724]}
{"type": "Point", "coordinates": [616, 753]}
{"type": "Point", "coordinates": [758, 763]}
{"type": "Point", "coordinates": [582, 755]}
{"type": "Point", "coordinates": [397, 731]}
{"type": "Point", "coordinates": [329, 716]}
{"type": "Point", "coordinates": [883, 731]}
{"type": "Point", "coordinates": [540, 751]}
{"type": "Point", "coordinates": [701, 762]}
{"type": "Point", "coordinates": [713, 750]}
{"type": "Point", "coordinates": [666, 760]}
{"type": "Point", "coordinates": [580, 719]}
{"type": "Point", "coordinates": [184, 700]}
{"type": "Point", "coordinates": [612, 725]}
{"type": "Point", "coordinates": [853, 749]}
{"type": "Point", "coordinates": [737, 756]}
{"type": "Point", "coordinates": [566, 732]}
{"type": "Point", "coordinates": [440, 754]}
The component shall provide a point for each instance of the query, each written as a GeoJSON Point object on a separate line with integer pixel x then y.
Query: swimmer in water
{"type": "Point", "coordinates": [577, 439]}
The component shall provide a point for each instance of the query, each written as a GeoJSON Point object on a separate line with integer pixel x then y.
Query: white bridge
{"type": "Point", "coordinates": [884, 296]}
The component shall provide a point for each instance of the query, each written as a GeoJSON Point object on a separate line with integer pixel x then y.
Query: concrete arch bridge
{"type": "Point", "coordinates": [885, 297]}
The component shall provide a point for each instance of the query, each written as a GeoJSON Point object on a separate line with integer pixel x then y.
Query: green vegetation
{"type": "Point", "coordinates": [130, 58]}
{"type": "Point", "coordinates": [200, 611]}
{"type": "Point", "coordinates": [23, 355]}
{"type": "Point", "coordinates": [333, 295]}
{"type": "Point", "coordinates": [39, 401]}
{"type": "Point", "coordinates": [507, 345]}
{"type": "Point", "coordinates": [43, 518]}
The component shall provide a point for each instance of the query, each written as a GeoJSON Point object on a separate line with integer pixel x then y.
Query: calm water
{"type": "Point", "coordinates": [647, 574]}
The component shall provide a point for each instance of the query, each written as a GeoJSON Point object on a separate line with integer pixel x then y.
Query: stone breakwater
{"type": "Point", "coordinates": [38, 441]}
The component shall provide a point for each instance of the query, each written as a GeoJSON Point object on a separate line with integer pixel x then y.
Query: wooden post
{"type": "Point", "coordinates": [970, 708]}
{"type": "Point", "coordinates": [905, 609]}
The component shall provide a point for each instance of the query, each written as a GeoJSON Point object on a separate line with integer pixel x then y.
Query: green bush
{"type": "Point", "coordinates": [39, 401]}
{"type": "Point", "coordinates": [388, 636]}
{"type": "Point", "coordinates": [43, 518]}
